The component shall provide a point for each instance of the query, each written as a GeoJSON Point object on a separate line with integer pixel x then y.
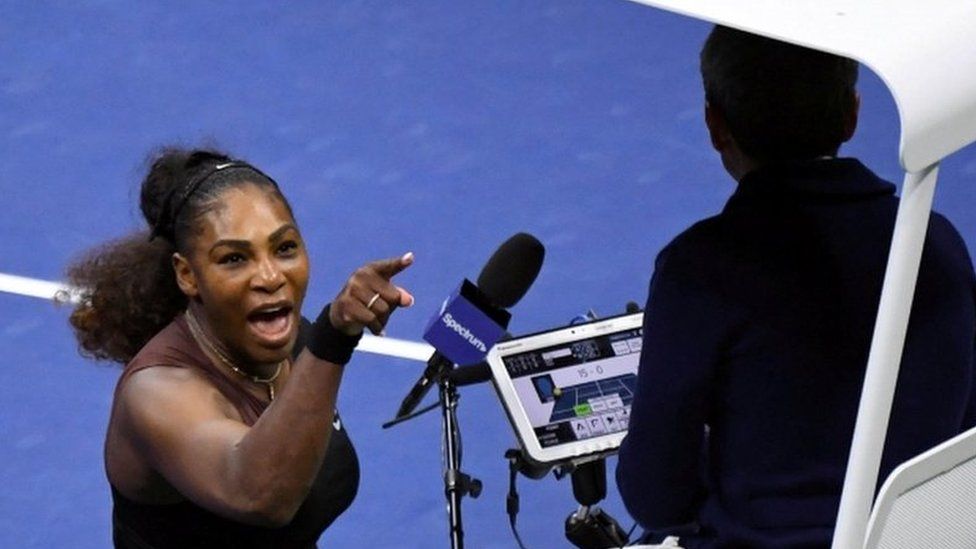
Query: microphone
{"type": "Point", "coordinates": [473, 317]}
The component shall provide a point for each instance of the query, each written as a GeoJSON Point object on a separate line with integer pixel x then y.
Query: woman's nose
{"type": "Point", "coordinates": [268, 277]}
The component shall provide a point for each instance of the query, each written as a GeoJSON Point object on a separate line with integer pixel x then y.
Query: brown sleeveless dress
{"type": "Point", "coordinates": [184, 524]}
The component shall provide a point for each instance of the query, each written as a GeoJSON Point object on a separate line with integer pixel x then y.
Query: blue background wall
{"type": "Point", "coordinates": [441, 127]}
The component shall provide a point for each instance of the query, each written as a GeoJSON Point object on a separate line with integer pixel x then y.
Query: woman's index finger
{"type": "Point", "coordinates": [388, 268]}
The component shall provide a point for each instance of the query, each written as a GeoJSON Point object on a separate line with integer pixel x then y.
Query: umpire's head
{"type": "Point", "coordinates": [773, 102]}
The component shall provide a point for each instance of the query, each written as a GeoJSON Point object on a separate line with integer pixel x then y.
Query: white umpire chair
{"type": "Point", "coordinates": [926, 53]}
{"type": "Point", "coordinates": [929, 501]}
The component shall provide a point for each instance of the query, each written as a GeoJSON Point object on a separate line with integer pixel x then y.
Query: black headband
{"type": "Point", "coordinates": [167, 221]}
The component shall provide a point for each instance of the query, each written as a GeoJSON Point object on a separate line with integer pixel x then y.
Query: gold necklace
{"type": "Point", "coordinates": [201, 338]}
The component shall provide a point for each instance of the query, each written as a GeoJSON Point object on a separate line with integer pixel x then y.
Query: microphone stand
{"type": "Point", "coordinates": [457, 484]}
{"type": "Point", "coordinates": [400, 419]}
{"type": "Point", "coordinates": [590, 527]}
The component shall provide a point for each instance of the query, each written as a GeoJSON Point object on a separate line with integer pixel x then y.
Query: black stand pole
{"type": "Point", "coordinates": [456, 483]}
{"type": "Point", "coordinates": [590, 527]}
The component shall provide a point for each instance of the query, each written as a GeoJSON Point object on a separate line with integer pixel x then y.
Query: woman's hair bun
{"type": "Point", "coordinates": [170, 170]}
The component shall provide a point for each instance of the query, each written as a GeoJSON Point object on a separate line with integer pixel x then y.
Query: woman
{"type": "Point", "coordinates": [217, 436]}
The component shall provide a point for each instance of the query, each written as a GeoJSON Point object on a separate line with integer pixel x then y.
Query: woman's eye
{"type": "Point", "coordinates": [231, 259]}
{"type": "Point", "coordinates": [287, 247]}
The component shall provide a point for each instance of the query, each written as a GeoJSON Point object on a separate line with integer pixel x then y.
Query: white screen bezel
{"type": "Point", "coordinates": [514, 407]}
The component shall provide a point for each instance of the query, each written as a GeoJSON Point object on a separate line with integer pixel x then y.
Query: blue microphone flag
{"type": "Point", "coordinates": [467, 325]}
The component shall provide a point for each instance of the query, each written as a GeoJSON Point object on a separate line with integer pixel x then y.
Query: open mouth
{"type": "Point", "coordinates": [271, 323]}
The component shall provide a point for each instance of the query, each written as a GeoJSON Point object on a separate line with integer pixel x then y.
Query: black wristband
{"type": "Point", "coordinates": [328, 343]}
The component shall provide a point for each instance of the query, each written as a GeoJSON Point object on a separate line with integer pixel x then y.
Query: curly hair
{"type": "Point", "coordinates": [128, 289]}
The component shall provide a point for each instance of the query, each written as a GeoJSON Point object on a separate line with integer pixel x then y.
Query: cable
{"type": "Point", "coordinates": [631, 532]}
{"type": "Point", "coordinates": [512, 500]}
{"type": "Point", "coordinates": [457, 430]}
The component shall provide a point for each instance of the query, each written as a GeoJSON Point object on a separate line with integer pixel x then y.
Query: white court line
{"type": "Point", "coordinates": [400, 348]}
{"type": "Point", "coordinates": [32, 287]}
{"type": "Point", "coordinates": [44, 289]}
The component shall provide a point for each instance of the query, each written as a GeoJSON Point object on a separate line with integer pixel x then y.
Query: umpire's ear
{"type": "Point", "coordinates": [718, 128]}
{"type": "Point", "coordinates": [850, 125]}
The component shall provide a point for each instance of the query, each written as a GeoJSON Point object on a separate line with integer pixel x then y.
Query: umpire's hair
{"type": "Point", "coordinates": [782, 102]}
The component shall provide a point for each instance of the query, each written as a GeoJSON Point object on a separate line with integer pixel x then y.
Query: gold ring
{"type": "Point", "coordinates": [372, 300]}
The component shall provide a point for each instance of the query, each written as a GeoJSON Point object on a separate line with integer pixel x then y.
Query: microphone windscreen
{"type": "Point", "coordinates": [511, 270]}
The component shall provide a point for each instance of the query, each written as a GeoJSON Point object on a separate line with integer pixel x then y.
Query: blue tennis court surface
{"type": "Point", "coordinates": [441, 127]}
{"type": "Point", "coordinates": [621, 387]}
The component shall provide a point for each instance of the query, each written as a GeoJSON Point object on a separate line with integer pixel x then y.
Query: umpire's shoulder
{"type": "Point", "coordinates": [698, 243]}
{"type": "Point", "coordinates": [944, 240]}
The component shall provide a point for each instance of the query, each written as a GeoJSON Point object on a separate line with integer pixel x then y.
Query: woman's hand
{"type": "Point", "coordinates": [369, 297]}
